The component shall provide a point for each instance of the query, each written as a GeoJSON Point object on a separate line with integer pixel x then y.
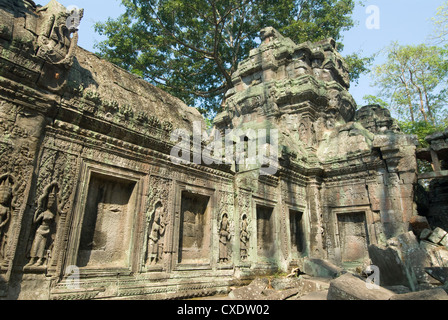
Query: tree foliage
{"type": "Point", "coordinates": [413, 82]}
{"type": "Point", "coordinates": [192, 48]}
{"type": "Point", "coordinates": [440, 35]}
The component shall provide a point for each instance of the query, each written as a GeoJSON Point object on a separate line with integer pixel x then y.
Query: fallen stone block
{"type": "Point", "coordinates": [414, 258]}
{"type": "Point", "coordinates": [440, 274]}
{"type": "Point", "coordinates": [350, 287]}
{"type": "Point", "coordinates": [315, 296]}
{"type": "Point", "coordinates": [282, 295]}
{"type": "Point", "coordinates": [437, 254]}
{"type": "Point", "coordinates": [254, 291]}
{"type": "Point", "coordinates": [285, 283]}
{"type": "Point", "coordinates": [424, 235]}
{"type": "Point", "coordinates": [265, 289]}
{"type": "Point", "coordinates": [392, 270]}
{"type": "Point", "coordinates": [433, 294]}
{"type": "Point", "coordinates": [427, 245]}
{"type": "Point", "coordinates": [398, 289]}
{"type": "Point", "coordinates": [441, 254]}
{"type": "Point", "coordinates": [309, 284]}
{"type": "Point", "coordinates": [444, 241]}
{"type": "Point", "coordinates": [437, 235]}
{"type": "Point", "coordinates": [321, 268]}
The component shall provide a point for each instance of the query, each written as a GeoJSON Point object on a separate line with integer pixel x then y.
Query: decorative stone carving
{"type": "Point", "coordinates": [48, 209]}
{"type": "Point", "coordinates": [7, 206]}
{"type": "Point", "coordinates": [377, 119]}
{"type": "Point", "coordinates": [157, 225]}
{"type": "Point", "coordinates": [224, 238]}
{"type": "Point", "coordinates": [56, 31]}
{"type": "Point", "coordinates": [157, 241]}
{"type": "Point", "coordinates": [244, 238]}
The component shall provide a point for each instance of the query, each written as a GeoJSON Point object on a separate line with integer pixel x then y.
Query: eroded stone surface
{"type": "Point", "coordinates": [433, 294]}
{"type": "Point", "coordinates": [349, 287]}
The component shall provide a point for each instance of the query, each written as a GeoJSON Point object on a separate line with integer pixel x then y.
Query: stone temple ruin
{"type": "Point", "coordinates": [93, 207]}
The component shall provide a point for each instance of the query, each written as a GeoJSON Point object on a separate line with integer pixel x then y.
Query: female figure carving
{"type": "Point", "coordinates": [155, 249]}
{"type": "Point", "coordinates": [44, 217]}
{"type": "Point", "coordinates": [244, 239]}
{"type": "Point", "coordinates": [224, 236]}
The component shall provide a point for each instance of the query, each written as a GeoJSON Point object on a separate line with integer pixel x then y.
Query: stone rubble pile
{"type": "Point", "coordinates": [409, 267]}
{"type": "Point", "coordinates": [298, 288]}
{"type": "Point", "coordinates": [416, 261]}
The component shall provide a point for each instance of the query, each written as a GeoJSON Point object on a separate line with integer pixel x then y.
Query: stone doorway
{"type": "Point", "coordinates": [106, 225]}
{"type": "Point", "coordinates": [353, 237]}
{"type": "Point", "coordinates": [297, 232]}
{"type": "Point", "coordinates": [265, 233]}
{"type": "Point", "coordinates": [194, 236]}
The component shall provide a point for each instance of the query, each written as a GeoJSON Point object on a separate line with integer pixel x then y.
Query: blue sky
{"type": "Point", "coordinates": [405, 21]}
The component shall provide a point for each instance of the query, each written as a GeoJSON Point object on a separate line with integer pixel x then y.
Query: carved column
{"type": "Point", "coordinates": [315, 215]}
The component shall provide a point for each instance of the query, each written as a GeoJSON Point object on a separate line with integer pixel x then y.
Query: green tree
{"type": "Point", "coordinates": [357, 65]}
{"type": "Point", "coordinates": [192, 48]}
{"type": "Point", "coordinates": [413, 82]}
{"type": "Point", "coordinates": [440, 35]}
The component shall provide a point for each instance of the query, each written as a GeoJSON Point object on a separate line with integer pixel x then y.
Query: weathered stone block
{"type": "Point", "coordinates": [315, 296]}
{"type": "Point", "coordinates": [441, 254]}
{"type": "Point", "coordinates": [6, 25]}
{"type": "Point", "coordinates": [285, 283]}
{"type": "Point", "coordinates": [311, 284]}
{"type": "Point", "coordinates": [440, 274]}
{"type": "Point", "coordinates": [253, 291]}
{"type": "Point", "coordinates": [428, 246]}
{"type": "Point", "coordinates": [321, 268]}
{"type": "Point", "coordinates": [413, 257]}
{"type": "Point", "coordinates": [433, 294]}
{"type": "Point", "coordinates": [444, 241]}
{"type": "Point", "coordinates": [437, 254]}
{"type": "Point", "coordinates": [425, 234]}
{"type": "Point", "coordinates": [282, 295]}
{"type": "Point", "coordinates": [350, 287]}
{"type": "Point", "coordinates": [392, 271]}
{"type": "Point", "coordinates": [398, 289]}
{"type": "Point", "coordinates": [437, 235]}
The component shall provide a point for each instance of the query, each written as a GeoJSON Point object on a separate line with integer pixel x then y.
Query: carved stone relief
{"type": "Point", "coordinates": [8, 203]}
{"type": "Point", "coordinates": [244, 238]}
{"type": "Point", "coordinates": [45, 221]}
{"type": "Point", "coordinates": [57, 41]}
{"type": "Point", "coordinates": [157, 222]}
{"type": "Point", "coordinates": [224, 238]}
{"type": "Point", "coordinates": [226, 225]}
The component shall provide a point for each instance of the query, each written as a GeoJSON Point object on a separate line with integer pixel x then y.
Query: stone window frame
{"type": "Point", "coordinates": [180, 188]}
{"type": "Point", "coordinates": [370, 225]}
{"type": "Point", "coordinates": [89, 168]}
